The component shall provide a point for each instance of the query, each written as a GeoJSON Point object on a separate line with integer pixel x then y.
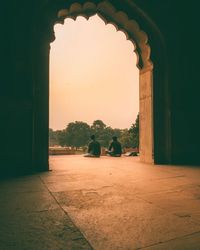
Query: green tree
{"type": "Point", "coordinates": [56, 137]}
{"type": "Point", "coordinates": [98, 128]}
{"type": "Point", "coordinates": [106, 137]}
{"type": "Point", "coordinates": [117, 132]}
{"type": "Point", "coordinates": [77, 134]}
{"type": "Point", "coordinates": [52, 137]}
{"type": "Point", "coordinates": [61, 137]}
{"type": "Point", "coordinates": [134, 133]}
{"type": "Point", "coordinates": [125, 138]}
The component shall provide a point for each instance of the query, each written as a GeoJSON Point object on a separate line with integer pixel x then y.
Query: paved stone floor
{"type": "Point", "coordinates": [102, 203]}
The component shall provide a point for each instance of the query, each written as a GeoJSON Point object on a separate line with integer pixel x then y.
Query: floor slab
{"type": "Point", "coordinates": [124, 204]}
{"type": "Point", "coordinates": [102, 203]}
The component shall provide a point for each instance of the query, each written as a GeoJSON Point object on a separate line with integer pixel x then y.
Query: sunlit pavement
{"type": "Point", "coordinates": [102, 203]}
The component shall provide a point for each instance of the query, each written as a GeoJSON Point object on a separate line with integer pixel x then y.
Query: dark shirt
{"type": "Point", "coordinates": [116, 147]}
{"type": "Point", "coordinates": [94, 148]}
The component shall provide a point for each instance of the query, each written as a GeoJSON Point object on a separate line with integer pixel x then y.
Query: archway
{"type": "Point", "coordinates": [149, 47]}
{"type": "Point", "coordinates": [139, 38]}
{"type": "Point", "coordinates": [93, 76]}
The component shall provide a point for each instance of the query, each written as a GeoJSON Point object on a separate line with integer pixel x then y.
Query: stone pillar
{"type": "Point", "coordinates": [41, 48]}
{"type": "Point", "coordinates": [146, 116]}
{"type": "Point", "coordinates": [41, 108]}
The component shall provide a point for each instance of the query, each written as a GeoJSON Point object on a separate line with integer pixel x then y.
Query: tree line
{"type": "Point", "coordinates": [77, 134]}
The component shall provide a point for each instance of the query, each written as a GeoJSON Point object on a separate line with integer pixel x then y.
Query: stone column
{"type": "Point", "coordinates": [41, 48]}
{"type": "Point", "coordinates": [41, 109]}
{"type": "Point", "coordinates": [146, 116]}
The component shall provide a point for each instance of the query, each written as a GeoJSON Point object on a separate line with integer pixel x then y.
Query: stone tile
{"type": "Point", "coordinates": [191, 242]}
{"type": "Point", "coordinates": [116, 203]}
{"type": "Point", "coordinates": [123, 204]}
{"type": "Point", "coordinates": [42, 230]}
{"type": "Point", "coordinates": [22, 184]}
{"type": "Point", "coordinates": [179, 203]}
{"type": "Point", "coordinates": [26, 202]}
{"type": "Point", "coordinates": [113, 222]}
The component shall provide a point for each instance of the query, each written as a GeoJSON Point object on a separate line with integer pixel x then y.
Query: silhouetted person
{"type": "Point", "coordinates": [115, 148]}
{"type": "Point", "coordinates": [94, 148]}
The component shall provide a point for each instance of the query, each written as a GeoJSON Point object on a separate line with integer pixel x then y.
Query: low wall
{"type": "Point", "coordinates": [61, 151]}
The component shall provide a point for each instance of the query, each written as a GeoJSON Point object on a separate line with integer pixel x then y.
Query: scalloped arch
{"type": "Point", "coordinates": [120, 20]}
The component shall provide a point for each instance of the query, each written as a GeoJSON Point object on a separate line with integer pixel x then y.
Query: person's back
{"type": "Point", "coordinates": [115, 148]}
{"type": "Point", "coordinates": [94, 148]}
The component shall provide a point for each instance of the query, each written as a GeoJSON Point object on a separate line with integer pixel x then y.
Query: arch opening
{"type": "Point", "coordinates": [120, 20]}
{"type": "Point", "coordinates": [142, 49]}
{"type": "Point", "coordinates": [152, 62]}
{"type": "Point", "coordinates": [99, 72]}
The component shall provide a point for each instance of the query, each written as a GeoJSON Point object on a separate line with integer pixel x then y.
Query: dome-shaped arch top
{"type": "Point", "coordinates": [120, 20]}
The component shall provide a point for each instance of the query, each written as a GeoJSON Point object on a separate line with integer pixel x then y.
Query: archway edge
{"type": "Point", "coordinates": [158, 102]}
{"type": "Point", "coordinates": [142, 49]}
{"type": "Point", "coordinates": [120, 20]}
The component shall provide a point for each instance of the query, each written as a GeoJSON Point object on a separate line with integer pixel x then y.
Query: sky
{"type": "Point", "coordinates": [93, 75]}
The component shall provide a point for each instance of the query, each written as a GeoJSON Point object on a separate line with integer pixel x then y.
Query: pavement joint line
{"type": "Point", "coordinates": [84, 190]}
{"type": "Point", "coordinates": [139, 198]}
{"type": "Point", "coordinates": [172, 213]}
{"type": "Point", "coordinates": [42, 211]}
{"type": "Point", "coordinates": [84, 237]}
{"type": "Point", "coordinates": [170, 177]}
{"type": "Point", "coordinates": [24, 192]}
{"type": "Point", "coordinates": [163, 242]}
{"type": "Point", "coordinates": [160, 192]}
{"type": "Point", "coordinates": [157, 179]}
{"type": "Point", "coordinates": [92, 189]}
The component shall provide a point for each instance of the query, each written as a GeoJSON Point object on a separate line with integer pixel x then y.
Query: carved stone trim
{"type": "Point", "coordinates": [119, 19]}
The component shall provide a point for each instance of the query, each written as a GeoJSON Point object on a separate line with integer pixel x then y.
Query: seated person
{"type": "Point", "coordinates": [94, 148]}
{"type": "Point", "coordinates": [115, 148]}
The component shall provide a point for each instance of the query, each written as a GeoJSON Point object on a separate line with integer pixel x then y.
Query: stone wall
{"type": "Point", "coordinates": [26, 33]}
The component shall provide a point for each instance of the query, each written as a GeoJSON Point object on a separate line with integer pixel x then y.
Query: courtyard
{"type": "Point", "coordinates": [102, 203]}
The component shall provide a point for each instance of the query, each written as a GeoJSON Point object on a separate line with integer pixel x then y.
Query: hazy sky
{"type": "Point", "coordinates": [93, 75]}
